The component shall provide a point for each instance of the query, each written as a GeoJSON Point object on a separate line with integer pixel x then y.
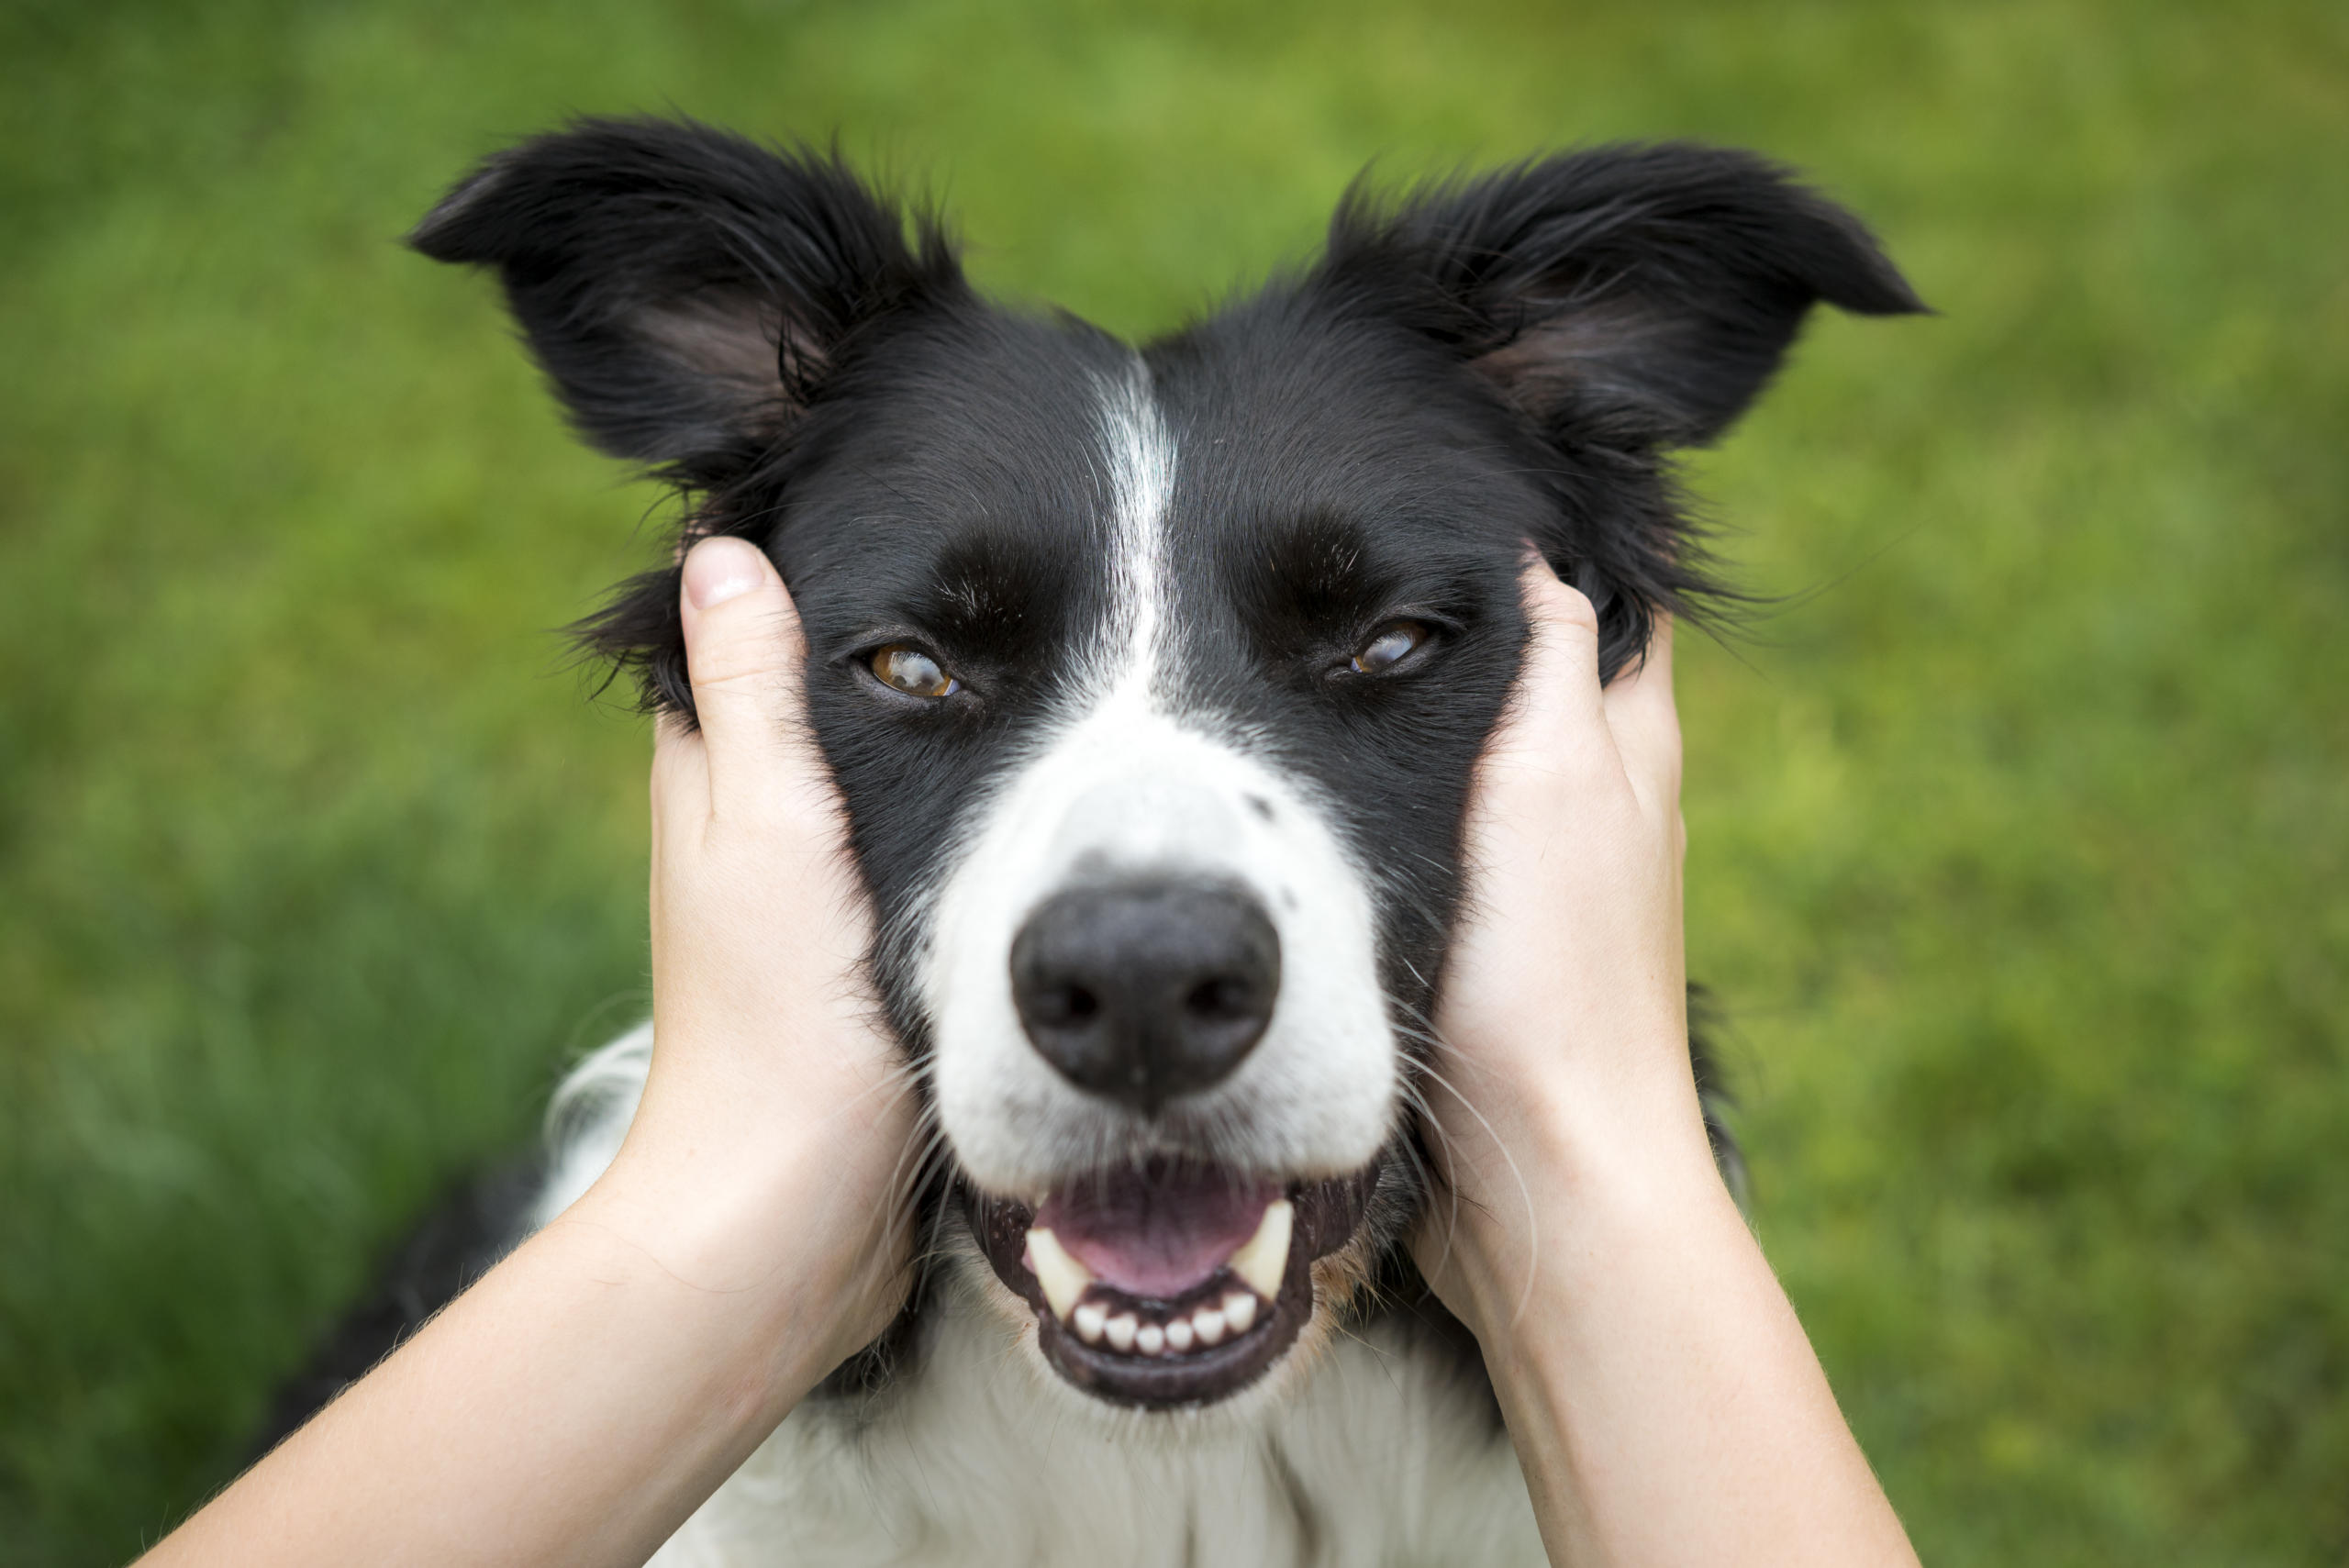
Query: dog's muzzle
{"type": "Point", "coordinates": [1163, 1054]}
{"type": "Point", "coordinates": [1171, 1281]}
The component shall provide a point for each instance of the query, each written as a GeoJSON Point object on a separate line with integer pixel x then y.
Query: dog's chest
{"type": "Point", "coordinates": [1378, 1457]}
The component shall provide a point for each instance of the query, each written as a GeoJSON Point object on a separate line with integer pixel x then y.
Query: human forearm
{"type": "Point", "coordinates": [573, 1408]}
{"type": "Point", "coordinates": [1665, 1403]}
{"type": "Point", "coordinates": [581, 1399]}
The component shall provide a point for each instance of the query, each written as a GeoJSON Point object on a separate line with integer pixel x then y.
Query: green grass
{"type": "Point", "coordinates": [2020, 836]}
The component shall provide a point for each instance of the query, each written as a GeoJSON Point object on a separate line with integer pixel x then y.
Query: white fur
{"type": "Point", "coordinates": [1127, 782]}
{"type": "Point", "coordinates": [1359, 1455]}
{"type": "Point", "coordinates": [589, 1116]}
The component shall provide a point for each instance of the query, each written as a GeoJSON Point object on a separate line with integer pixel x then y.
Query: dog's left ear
{"type": "Point", "coordinates": [1623, 301]}
{"type": "Point", "coordinates": [1644, 295]}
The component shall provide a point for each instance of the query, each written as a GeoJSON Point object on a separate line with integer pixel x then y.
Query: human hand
{"type": "Point", "coordinates": [778, 1102]}
{"type": "Point", "coordinates": [1563, 1006]}
{"type": "Point", "coordinates": [1663, 1403]}
{"type": "Point", "coordinates": [594, 1388]}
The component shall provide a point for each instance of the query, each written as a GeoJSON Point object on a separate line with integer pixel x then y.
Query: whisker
{"type": "Point", "coordinates": [1451, 1189]}
{"type": "Point", "coordinates": [1533, 1217]}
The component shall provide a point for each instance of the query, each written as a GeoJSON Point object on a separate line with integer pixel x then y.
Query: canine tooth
{"type": "Point", "coordinates": [1150, 1340]}
{"type": "Point", "coordinates": [1089, 1318]}
{"type": "Point", "coordinates": [1264, 1259]}
{"type": "Point", "coordinates": [1178, 1335]}
{"type": "Point", "coordinates": [1207, 1323]}
{"type": "Point", "coordinates": [1120, 1332]}
{"type": "Point", "coordinates": [1239, 1311]}
{"type": "Point", "coordinates": [1062, 1277]}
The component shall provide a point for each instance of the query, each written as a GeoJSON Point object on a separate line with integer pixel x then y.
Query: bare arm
{"type": "Point", "coordinates": [581, 1399]}
{"type": "Point", "coordinates": [1665, 1403]}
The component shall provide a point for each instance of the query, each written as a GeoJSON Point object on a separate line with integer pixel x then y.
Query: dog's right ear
{"type": "Point", "coordinates": [685, 290]}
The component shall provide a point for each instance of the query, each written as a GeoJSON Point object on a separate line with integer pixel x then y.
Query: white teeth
{"type": "Point", "coordinates": [1062, 1277]}
{"type": "Point", "coordinates": [1261, 1263]}
{"type": "Point", "coordinates": [1128, 1335]}
{"type": "Point", "coordinates": [1264, 1258]}
{"type": "Point", "coordinates": [1089, 1320]}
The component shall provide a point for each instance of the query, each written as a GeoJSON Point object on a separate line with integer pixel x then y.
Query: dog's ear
{"type": "Point", "coordinates": [1623, 301]}
{"type": "Point", "coordinates": [688, 293]}
{"type": "Point", "coordinates": [685, 290]}
{"type": "Point", "coordinates": [1639, 294]}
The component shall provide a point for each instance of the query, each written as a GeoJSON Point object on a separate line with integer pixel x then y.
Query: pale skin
{"type": "Point", "coordinates": [588, 1394]}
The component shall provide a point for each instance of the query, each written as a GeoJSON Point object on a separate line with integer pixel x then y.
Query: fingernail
{"type": "Point", "coordinates": [721, 569]}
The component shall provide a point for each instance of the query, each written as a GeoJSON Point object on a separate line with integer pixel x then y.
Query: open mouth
{"type": "Point", "coordinates": [1171, 1284]}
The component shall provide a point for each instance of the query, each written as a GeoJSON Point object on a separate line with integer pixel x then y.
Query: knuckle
{"type": "Point", "coordinates": [727, 676]}
{"type": "Point", "coordinates": [1573, 609]}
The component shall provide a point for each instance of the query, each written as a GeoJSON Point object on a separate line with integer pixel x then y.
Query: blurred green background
{"type": "Point", "coordinates": [2019, 832]}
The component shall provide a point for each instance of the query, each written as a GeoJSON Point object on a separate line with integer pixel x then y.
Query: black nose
{"type": "Point", "coordinates": [1145, 991]}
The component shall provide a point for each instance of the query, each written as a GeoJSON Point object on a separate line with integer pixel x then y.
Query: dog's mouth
{"type": "Point", "coordinates": [1172, 1284]}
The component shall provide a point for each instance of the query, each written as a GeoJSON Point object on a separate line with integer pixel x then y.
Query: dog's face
{"type": "Point", "coordinates": [1155, 683]}
{"type": "Point", "coordinates": [1155, 680]}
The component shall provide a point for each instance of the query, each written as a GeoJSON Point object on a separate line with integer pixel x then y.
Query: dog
{"type": "Point", "coordinates": [1153, 679]}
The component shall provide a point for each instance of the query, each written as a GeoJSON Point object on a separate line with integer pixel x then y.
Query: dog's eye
{"type": "Point", "coordinates": [903, 667]}
{"type": "Point", "coordinates": [1394, 642]}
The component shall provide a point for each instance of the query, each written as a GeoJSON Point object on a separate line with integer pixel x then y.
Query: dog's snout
{"type": "Point", "coordinates": [1145, 992]}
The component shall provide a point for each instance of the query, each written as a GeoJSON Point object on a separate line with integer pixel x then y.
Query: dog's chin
{"type": "Point", "coordinates": [1171, 1285]}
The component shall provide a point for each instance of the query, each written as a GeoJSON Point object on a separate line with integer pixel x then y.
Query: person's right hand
{"type": "Point", "coordinates": [1663, 1403]}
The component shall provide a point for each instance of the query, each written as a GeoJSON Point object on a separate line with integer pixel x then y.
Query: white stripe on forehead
{"type": "Point", "coordinates": [1138, 453]}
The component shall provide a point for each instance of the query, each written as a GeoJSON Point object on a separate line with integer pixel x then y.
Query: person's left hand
{"type": "Point", "coordinates": [777, 1094]}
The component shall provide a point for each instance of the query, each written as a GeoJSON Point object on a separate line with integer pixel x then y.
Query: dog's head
{"type": "Point", "coordinates": [1154, 678]}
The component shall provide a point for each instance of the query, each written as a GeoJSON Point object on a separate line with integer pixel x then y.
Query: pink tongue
{"type": "Point", "coordinates": [1155, 1233]}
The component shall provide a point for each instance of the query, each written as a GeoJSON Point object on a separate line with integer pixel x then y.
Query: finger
{"type": "Point", "coordinates": [680, 782]}
{"type": "Point", "coordinates": [1645, 722]}
{"type": "Point", "coordinates": [744, 653]}
{"type": "Point", "coordinates": [1556, 701]}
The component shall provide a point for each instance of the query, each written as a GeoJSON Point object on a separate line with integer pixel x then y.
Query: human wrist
{"type": "Point", "coordinates": [785, 1237]}
{"type": "Point", "coordinates": [1593, 1159]}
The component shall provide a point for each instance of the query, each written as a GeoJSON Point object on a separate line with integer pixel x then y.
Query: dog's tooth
{"type": "Point", "coordinates": [1089, 1318]}
{"type": "Point", "coordinates": [1209, 1324]}
{"type": "Point", "coordinates": [1150, 1340]}
{"type": "Point", "coordinates": [1120, 1332]}
{"type": "Point", "coordinates": [1239, 1311]}
{"type": "Point", "coordinates": [1062, 1277]}
{"type": "Point", "coordinates": [1264, 1259]}
{"type": "Point", "coordinates": [1178, 1335]}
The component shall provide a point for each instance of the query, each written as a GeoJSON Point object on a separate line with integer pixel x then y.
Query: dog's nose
{"type": "Point", "coordinates": [1144, 992]}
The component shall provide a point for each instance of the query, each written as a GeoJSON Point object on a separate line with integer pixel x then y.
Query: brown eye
{"type": "Point", "coordinates": [1394, 643]}
{"type": "Point", "coordinates": [903, 667]}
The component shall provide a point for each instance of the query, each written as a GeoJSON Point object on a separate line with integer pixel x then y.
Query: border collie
{"type": "Point", "coordinates": [1153, 678]}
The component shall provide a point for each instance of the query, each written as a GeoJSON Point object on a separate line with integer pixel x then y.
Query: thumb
{"type": "Point", "coordinates": [1555, 707]}
{"type": "Point", "coordinates": [1646, 726]}
{"type": "Point", "coordinates": [744, 653]}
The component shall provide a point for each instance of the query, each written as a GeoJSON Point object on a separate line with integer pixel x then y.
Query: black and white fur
{"type": "Point", "coordinates": [1150, 570]}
